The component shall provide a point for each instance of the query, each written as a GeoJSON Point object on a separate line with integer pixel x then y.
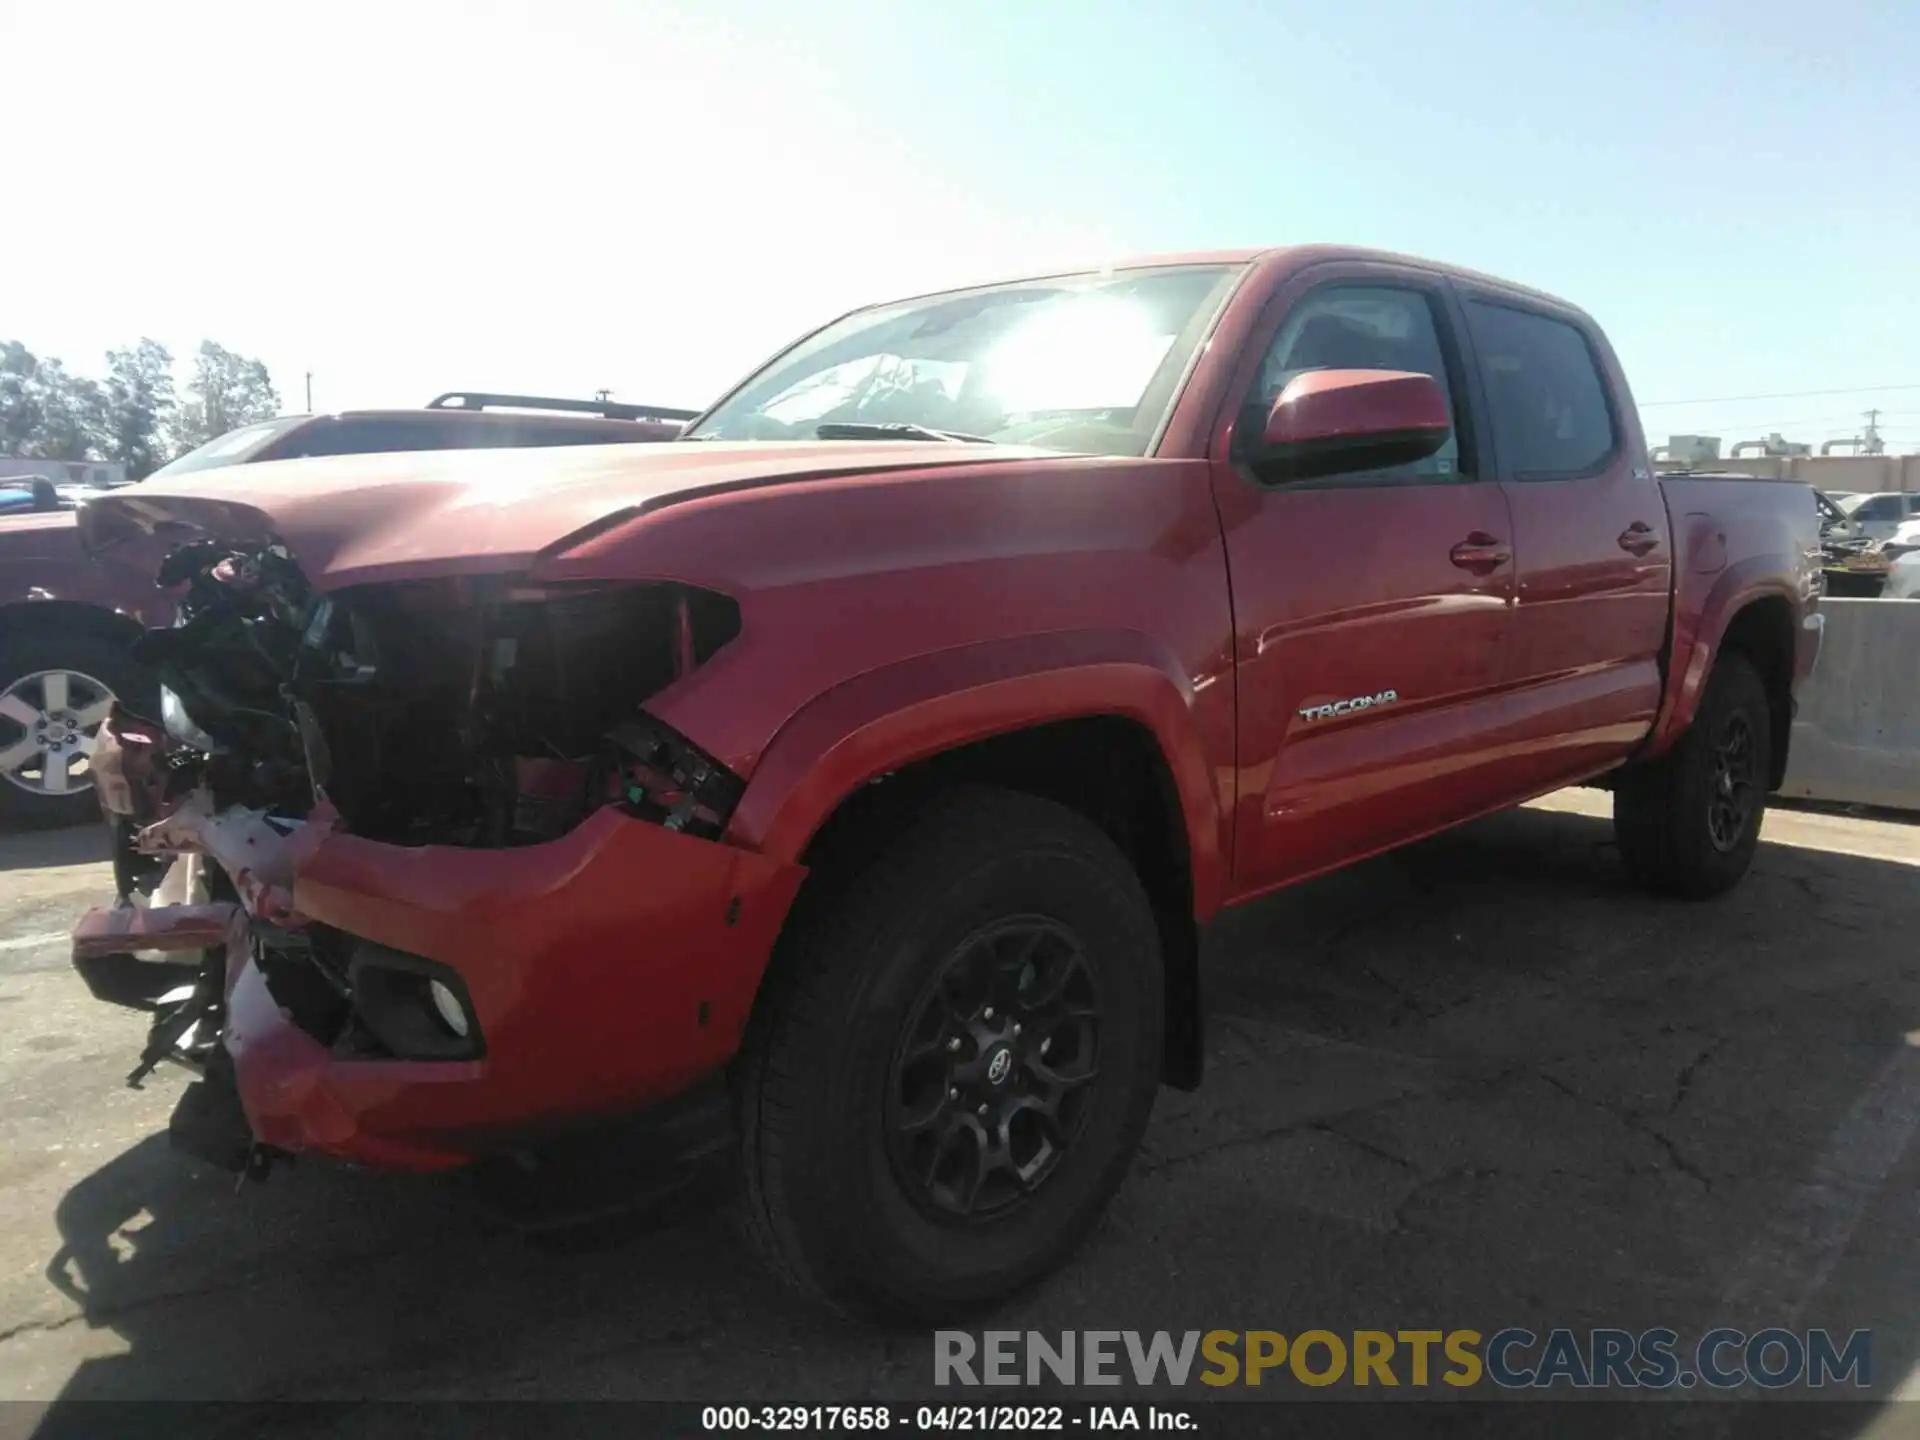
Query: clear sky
{"type": "Point", "coordinates": [650, 195]}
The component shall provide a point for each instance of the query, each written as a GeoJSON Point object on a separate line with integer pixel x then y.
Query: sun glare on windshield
{"type": "Point", "coordinates": [1083, 353]}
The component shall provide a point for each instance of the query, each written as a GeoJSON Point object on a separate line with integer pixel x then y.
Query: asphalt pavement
{"type": "Point", "coordinates": [1478, 1083]}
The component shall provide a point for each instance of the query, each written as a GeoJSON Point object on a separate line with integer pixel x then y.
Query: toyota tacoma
{"type": "Point", "coordinates": [877, 750]}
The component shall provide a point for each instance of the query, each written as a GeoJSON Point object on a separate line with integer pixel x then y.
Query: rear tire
{"type": "Point", "coordinates": [1689, 822]}
{"type": "Point", "coordinates": [956, 1063]}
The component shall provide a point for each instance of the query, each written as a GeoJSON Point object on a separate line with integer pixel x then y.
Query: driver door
{"type": "Point", "coordinates": [1393, 588]}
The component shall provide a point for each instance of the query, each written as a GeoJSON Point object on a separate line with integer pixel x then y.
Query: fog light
{"type": "Point", "coordinates": [448, 1004]}
{"type": "Point", "coordinates": [411, 1007]}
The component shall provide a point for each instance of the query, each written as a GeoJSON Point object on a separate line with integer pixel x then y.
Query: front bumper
{"type": "Point", "coordinates": [607, 970]}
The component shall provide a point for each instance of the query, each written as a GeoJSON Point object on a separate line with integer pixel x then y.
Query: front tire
{"type": "Point", "coordinates": [1689, 822]}
{"type": "Point", "coordinates": [957, 1062]}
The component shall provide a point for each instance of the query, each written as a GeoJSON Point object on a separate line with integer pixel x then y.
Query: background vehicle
{"type": "Point", "coordinates": [458, 420]}
{"type": "Point", "coordinates": [66, 622]}
{"type": "Point", "coordinates": [1902, 554]}
{"type": "Point", "coordinates": [1878, 516]}
{"type": "Point", "coordinates": [884, 764]}
{"type": "Point", "coordinates": [1849, 557]}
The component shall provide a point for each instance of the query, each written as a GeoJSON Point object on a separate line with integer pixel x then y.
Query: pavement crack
{"type": "Point", "coordinates": [1366, 1146]}
{"type": "Point", "coordinates": [1232, 1142]}
{"type": "Point", "coordinates": [1683, 1082]}
{"type": "Point", "coordinates": [1409, 1001]}
{"type": "Point", "coordinates": [1469, 1172]}
{"type": "Point", "coordinates": [1676, 1160]}
{"type": "Point", "coordinates": [39, 1327]}
{"type": "Point", "coordinates": [1640, 1121]}
{"type": "Point", "coordinates": [1813, 888]}
{"type": "Point", "coordinates": [1278, 1132]}
{"type": "Point", "coordinates": [98, 1310]}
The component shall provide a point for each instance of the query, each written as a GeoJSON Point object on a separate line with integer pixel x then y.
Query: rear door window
{"type": "Point", "coordinates": [1545, 394]}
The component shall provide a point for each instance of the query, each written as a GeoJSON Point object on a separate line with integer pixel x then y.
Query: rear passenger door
{"type": "Point", "coordinates": [1591, 538]}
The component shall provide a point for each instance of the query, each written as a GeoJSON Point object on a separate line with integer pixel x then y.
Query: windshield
{"type": "Point", "coordinates": [1084, 363]}
{"type": "Point", "coordinates": [233, 448]}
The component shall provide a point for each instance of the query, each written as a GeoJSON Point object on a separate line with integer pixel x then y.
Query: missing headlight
{"type": "Point", "coordinates": [179, 724]}
{"type": "Point", "coordinates": [666, 778]}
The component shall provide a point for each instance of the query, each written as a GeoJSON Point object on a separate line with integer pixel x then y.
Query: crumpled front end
{"type": "Point", "coordinates": [409, 874]}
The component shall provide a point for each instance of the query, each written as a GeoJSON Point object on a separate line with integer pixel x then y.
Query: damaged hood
{"type": "Point", "coordinates": [360, 518]}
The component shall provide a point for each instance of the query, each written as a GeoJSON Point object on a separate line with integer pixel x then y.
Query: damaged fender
{"type": "Point", "coordinates": [888, 718]}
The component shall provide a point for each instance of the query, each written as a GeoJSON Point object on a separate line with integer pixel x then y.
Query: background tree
{"type": "Point", "coordinates": [226, 392]}
{"type": "Point", "coordinates": [72, 414]}
{"type": "Point", "coordinates": [131, 417]}
{"type": "Point", "coordinates": [19, 402]}
{"type": "Point", "coordinates": [139, 408]}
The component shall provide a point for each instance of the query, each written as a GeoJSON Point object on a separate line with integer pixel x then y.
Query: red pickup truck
{"type": "Point", "coordinates": [880, 747]}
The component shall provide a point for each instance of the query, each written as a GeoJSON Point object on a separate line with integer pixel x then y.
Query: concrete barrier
{"type": "Point", "coordinates": [1857, 736]}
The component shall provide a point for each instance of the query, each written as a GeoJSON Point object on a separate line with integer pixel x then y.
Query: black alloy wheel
{"type": "Point", "coordinates": [992, 1078]}
{"type": "Point", "coordinates": [1734, 793]}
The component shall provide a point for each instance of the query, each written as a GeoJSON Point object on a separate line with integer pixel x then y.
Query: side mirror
{"type": "Point", "coordinates": [1336, 422]}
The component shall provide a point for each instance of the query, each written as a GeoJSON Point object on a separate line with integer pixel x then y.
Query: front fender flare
{"type": "Point", "coordinates": [892, 716]}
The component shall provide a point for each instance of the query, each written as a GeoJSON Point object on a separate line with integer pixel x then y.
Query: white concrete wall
{"type": "Point", "coordinates": [1859, 474]}
{"type": "Point", "coordinates": [1857, 737]}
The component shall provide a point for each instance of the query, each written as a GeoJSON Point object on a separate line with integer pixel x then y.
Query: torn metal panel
{"type": "Point", "coordinates": [114, 930]}
{"type": "Point", "coordinates": [258, 855]}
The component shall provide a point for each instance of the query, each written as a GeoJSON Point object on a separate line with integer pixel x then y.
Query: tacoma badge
{"type": "Point", "coordinates": [1347, 707]}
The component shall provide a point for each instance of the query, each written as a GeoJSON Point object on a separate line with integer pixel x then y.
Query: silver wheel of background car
{"type": "Point", "coordinates": [49, 720]}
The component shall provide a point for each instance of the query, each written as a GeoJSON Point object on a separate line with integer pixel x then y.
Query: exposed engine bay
{"type": "Point", "coordinates": [452, 712]}
{"type": "Point", "coordinates": [464, 712]}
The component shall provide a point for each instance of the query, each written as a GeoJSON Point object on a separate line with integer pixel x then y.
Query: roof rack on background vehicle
{"type": "Point", "coordinates": [612, 409]}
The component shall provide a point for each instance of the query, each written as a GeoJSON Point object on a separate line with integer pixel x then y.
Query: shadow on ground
{"type": "Point", "coordinates": [1479, 1083]}
{"type": "Point", "coordinates": [48, 849]}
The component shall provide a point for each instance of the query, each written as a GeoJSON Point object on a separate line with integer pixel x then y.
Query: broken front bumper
{"type": "Point", "coordinates": [613, 967]}
{"type": "Point", "coordinates": [608, 969]}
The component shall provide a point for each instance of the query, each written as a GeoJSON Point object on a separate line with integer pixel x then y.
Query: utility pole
{"type": "Point", "coordinates": [309, 392]}
{"type": "Point", "coordinates": [1873, 444]}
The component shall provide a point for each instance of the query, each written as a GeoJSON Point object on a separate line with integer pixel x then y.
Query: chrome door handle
{"type": "Point", "coordinates": [1481, 553]}
{"type": "Point", "coordinates": [1638, 538]}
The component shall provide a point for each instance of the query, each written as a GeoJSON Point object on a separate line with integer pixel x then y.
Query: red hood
{"type": "Point", "coordinates": [354, 519]}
